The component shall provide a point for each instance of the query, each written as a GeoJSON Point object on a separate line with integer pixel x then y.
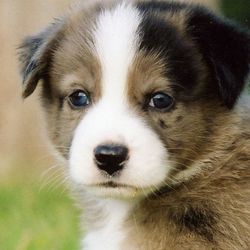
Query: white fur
{"type": "Point", "coordinates": [110, 235]}
{"type": "Point", "coordinates": [116, 42]}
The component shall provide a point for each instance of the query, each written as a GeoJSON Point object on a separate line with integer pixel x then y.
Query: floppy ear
{"type": "Point", "coordinates": [35, 56]}
{"type": "Point", "coordinates": [226, 49]}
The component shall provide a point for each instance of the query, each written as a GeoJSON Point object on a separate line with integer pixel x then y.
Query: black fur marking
{"type": "Point", "coordinates": [160, 6]}
{"type": "Point", "coordinates": [31, 67]}
{"type": "Point", "coordinates": [47, 92]}
{"type": "Point", "coordinates": [35, 55]}
{"type": "Point", "coordinates": [27, 51]}
{"type": "Point", "coordinates": [179, 118]}
{"type": "Point", "coordinates": [162, 124]}
{"type": "Point", "coordinates": [198, 220]}
{"type": "Point", "coordinates": [159, 37]}
{"type": "Point", "coordinates": [226, 49]}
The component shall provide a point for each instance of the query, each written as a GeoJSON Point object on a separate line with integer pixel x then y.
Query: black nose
{"type": "Point", "coordinates": [111, 158]}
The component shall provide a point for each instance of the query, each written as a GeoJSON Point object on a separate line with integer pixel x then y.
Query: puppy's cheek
{"type": "Point", "coordinates": [148, 165]}
{"type": "Point", "coordinates": [61, 124]}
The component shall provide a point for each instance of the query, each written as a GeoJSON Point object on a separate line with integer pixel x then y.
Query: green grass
{"type": "Point", "coordinates": [238, 10]}
{"type": "Point", "coordinates": [32, 218]}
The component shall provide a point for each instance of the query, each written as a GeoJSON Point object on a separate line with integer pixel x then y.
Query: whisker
{"type": "Point", "coordinates": [46, 182]}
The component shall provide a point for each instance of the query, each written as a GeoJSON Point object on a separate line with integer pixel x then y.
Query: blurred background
{"type": "Point", "coordinates": [35, 210]}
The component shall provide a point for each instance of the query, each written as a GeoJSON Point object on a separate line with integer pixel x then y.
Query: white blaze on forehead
{"type": "Point", "coordinates": [115, 42]}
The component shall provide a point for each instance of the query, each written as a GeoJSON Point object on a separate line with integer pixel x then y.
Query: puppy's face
{"type": "Point", "coordinates": [131, 90]}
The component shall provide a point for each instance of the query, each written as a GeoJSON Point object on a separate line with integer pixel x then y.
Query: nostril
{"type": "Point", "coordinates": [111, 158]}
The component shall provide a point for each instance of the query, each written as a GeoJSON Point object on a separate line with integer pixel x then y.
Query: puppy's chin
{"type": "Point", "coordinates": [118, 191]}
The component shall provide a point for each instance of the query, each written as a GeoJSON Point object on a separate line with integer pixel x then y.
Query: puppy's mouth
{"type": "Point", "coordinates": [112, 184]}
{"type": "Point", "coordinates": [112, 189]}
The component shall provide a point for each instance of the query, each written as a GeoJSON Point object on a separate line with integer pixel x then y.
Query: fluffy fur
{"type": "Point", "coordinates": [186, 182]}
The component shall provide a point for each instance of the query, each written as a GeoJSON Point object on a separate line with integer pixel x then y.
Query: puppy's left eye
{"type": "Point", "coordinates": [79, 99]}
{"type": "Point", "coordinates": [161, 101]}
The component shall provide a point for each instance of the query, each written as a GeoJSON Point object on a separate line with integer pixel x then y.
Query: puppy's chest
{"type": "Point", "coordinates": [110, 233]}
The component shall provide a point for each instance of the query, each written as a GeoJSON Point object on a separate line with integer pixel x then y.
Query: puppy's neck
{"type": "Point", "coordinates": [105, 221]}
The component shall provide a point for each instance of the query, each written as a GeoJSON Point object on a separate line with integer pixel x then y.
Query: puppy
{"type": "Point", "coordinates": [140, 99]}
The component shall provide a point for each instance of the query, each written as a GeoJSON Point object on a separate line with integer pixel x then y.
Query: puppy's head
{"type": "Point", "coordinates": [131, 91]}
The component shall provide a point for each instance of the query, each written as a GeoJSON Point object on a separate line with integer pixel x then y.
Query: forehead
{"type": "Point", "coordinates": [123, 44]}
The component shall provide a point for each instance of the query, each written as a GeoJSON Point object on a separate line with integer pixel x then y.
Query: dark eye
{"type": "Point", "coordinates": [79, 99]}
{"type": "Point", "coordinates": [161, 101]}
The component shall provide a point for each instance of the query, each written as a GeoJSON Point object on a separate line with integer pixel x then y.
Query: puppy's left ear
{"type": "Point", "coordinates": [226, 49]}
{"type": "Point", "coordinates": [35, 55]}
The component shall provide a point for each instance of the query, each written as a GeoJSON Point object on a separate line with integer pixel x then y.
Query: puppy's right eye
{"type": "Point", "coordinates": [79, 99]}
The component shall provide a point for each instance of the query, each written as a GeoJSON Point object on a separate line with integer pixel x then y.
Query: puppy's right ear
{"type": "Point", "coordinates": [35, 54]}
